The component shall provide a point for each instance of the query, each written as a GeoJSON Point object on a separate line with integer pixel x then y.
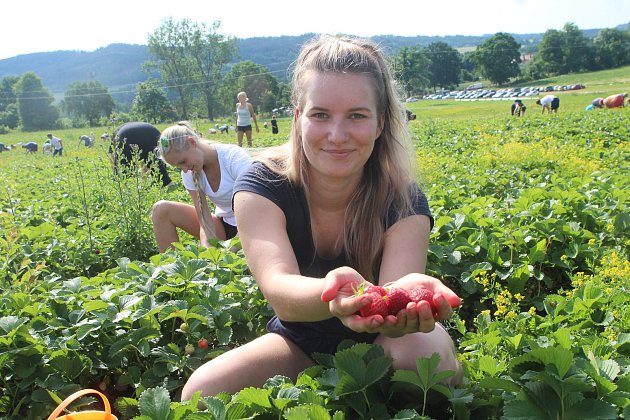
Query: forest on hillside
{"type": "Point", "coordinates": [119, 66]}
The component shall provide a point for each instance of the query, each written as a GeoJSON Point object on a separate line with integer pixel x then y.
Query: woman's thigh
{"type": "Point", "coordinates": [248, 365]}
{"type": "Point", "coordinates": [181, 215]}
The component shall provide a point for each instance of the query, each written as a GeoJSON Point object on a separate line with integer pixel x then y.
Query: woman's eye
{"type": "Point", "coordinates": [356, 116]}
{"type": "Point", "coordinates": [319, 115]}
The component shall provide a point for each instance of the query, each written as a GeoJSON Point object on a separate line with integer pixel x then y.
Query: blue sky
{"type": "Point", "coordinates": [30, 27]}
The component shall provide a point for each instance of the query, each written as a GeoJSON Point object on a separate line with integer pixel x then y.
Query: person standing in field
{"type": "Point", "coordinates": [336, 207]}
{"type": "Point", "coordinates": [209, 170]}
{"type": "Point", "coordinates": [244, 116]}
{"type": "Point", "coordinates": [551, 103]}
{"type": "Point", "coordinates": [138, 139]}
{"type": "Point", "coordinates": [616, 101]}
{"type": "Point", "coordinates": [274, 124]}
{"type": "Point", "coordinates": [57, 145]}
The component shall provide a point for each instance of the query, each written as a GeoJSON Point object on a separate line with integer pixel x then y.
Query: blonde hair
{"type": "Point", "coordinates": [386, 186]}
{"type": "Point", "coordinates": [175, 138]}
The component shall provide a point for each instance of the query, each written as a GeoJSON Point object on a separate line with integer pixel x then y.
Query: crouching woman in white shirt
{"type": "Point", "coordinates": [209, 170]}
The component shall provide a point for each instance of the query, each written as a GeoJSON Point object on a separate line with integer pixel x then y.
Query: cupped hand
{"type": "Point", "coordinates": [444, 299]}
{"type": "Point", "coordinates": [342, 283]}
{"type": "Point", "coordinates": [343, 302]}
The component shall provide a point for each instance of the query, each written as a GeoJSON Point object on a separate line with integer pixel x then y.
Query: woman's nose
{"type": "Point", "coordinates": [337, 131]}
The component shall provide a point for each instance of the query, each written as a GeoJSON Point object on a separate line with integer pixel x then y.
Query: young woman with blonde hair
{"type": "Point", "coordinates": [209, 171]}
{"type": "Point", "coordinates": [340, 206]}
{"type": "Point", "coordinates": [244, 116]}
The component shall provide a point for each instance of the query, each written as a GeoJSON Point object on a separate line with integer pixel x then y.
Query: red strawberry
{"type": "Point", "coordinates": [420, 293]}
{"type": "Point", "coordinates": [378, 306]}
{"type": "Point", "coordinates": [397, 299]}
{"type": "Point", "coordinates": [202, 344]}
{"type": "Point", "coordinates": [378, 289]}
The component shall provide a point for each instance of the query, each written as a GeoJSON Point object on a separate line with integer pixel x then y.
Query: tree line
{"type": "Point", "coordinates": [198, 79]}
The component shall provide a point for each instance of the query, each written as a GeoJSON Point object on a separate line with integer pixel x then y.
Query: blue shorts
{"type": "Point", "coordinates": [244, 128]}
{"type": "Point", "coordinates": [318, 337]}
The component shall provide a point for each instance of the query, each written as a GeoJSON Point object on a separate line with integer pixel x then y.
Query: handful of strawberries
{"type": "Point", "coordinates": [390, 301]}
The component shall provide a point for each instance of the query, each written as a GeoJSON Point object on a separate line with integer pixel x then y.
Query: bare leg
{"type": "Point", "coordinates": [239, 137]}
{"type": "Point", "coordinates": [249, 138]}
{"type": "Point", "coordinates": [167, 216]}
{"type": "Point", "coordinates": [248, 365]}
{"type": "Point", "coordinates": [404, 350]}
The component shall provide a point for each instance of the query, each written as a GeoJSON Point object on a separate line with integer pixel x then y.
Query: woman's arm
{"type": "Point", "coordinates": [272, 261]}
{"type": "Point", "coordinates": [253, 114]}
{"type": "Point", "coordinates": [403, 264]}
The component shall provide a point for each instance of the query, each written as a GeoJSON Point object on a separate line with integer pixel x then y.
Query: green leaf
{"type": "Point", "coordinates": [155, 403]}
{"type": "Point", "coordinates": [589, 408]}
{"type": "Point", "coordinates": [426, 370]}
{"type": "Point", "coordinates": [499, 383]}
{"type": "Point", "coordinates": [224, 335]}
{"type": "Point", "coordinates": [256, 397]}
{"type": "Point", "coordinates": [94, 305]}
{"type": "Point", "coordinates": [406, 414]}
{"type": "Point", "coordinates": [563, 337]}
{"type": "Point", "coordinates": [311, 412]}
{"type": "Point", "coordinates": [622, 223]}
{"type": "Point", "coordinates": [376, 369]}
{"type": "Point", "coordinates": [11, 323]}
{"type": "Point", "coordinates": [494, 255]}
{"type": "Point", "coordinates": [71, 366]}
{"type": "Point", "coordinates": [489, 365]}
{"type": "Point", "coordinates": [349, 362]}
{"type": "Point", "coordinates": [523, 410]}
{"type": "Point", "coordinates": [237, 411]}
{"type": "Point", "coordinates": [514, 340]}
{"type": "Point", "coordinates": [538, 252]}
{"type": "Point", "coordinates": [519, 277]}
{"type": "Point", "coordinates": [216, 407]}
{"type": "Point", "coordinates": [407, 376]}
{"type": "Point", "coordinates": [347, 385]}
{"type": "Point", "coordinates": [559, 357]}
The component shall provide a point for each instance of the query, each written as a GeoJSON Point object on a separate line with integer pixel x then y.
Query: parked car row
{"type": "Point", "coordinates": [517, 92]}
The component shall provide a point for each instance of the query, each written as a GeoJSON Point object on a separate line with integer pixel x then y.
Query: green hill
{"type": "Point", "coordinates": [119, 66]}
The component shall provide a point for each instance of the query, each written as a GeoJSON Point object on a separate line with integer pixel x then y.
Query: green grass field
{"type": "Point", "coordinates": [532, 230]}
{"type": "Point", "coordinates": [598, 84]}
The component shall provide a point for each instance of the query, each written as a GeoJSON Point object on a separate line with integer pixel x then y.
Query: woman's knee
{"type": "Point", "coordinates": [405, 350]}
{"type": "Point", "coordinates": [160, 209]}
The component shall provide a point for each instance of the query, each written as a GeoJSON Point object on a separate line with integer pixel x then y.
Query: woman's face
{"type": "Point", "coordinates": [190, 159]}
{"type": "Point", "coordinates": [338, 122]}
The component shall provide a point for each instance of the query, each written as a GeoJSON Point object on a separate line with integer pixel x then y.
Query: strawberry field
{"type": "Point", "coordinates": [532, 231]}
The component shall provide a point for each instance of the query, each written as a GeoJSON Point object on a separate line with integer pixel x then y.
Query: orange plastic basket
{"type": "Point", "coordinates": [83, 415]}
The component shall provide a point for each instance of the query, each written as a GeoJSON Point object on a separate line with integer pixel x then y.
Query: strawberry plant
{"type": "Point", "coordinates": [532, 229]}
